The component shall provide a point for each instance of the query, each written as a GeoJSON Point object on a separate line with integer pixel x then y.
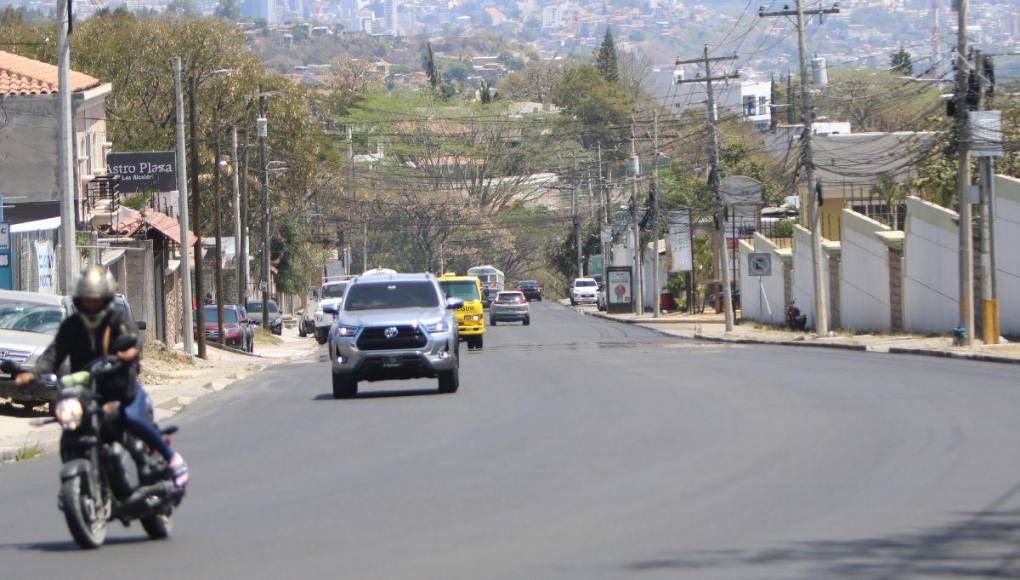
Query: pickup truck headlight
{"type": "Point", "coordinates": [440, 326]}
{"type": "Point", "coordinates": [343, 330]}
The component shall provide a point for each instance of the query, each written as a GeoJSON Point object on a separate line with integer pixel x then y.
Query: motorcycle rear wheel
{"type": "Point", "coordinates": [157, 526]}
{"type": "Point", "coordinates": [88, 535]}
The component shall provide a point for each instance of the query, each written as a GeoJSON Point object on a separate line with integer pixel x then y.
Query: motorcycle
{"type": "Point", "coordinates": [108, 474]}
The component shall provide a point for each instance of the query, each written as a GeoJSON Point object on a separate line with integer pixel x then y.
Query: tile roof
{"type": "Point", "coordinates": [24, 76]}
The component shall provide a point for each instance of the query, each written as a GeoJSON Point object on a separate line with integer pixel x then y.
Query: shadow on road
{"type": "Point", "coordinates": [381, 394]}
{"type": "Point", "coordinates": [70, 546]}
{"type": "Point", "coordinates": [10, 409]}
{"type": "Point", "coordinates": [981, 544]}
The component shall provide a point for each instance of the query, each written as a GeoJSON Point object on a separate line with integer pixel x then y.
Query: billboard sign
{"type": "Point", "coordinates": [619, 289]}
{"type": "Point", "coordinates": [679, 242]}
{"type": "Point", "coordinates": [145, 171]}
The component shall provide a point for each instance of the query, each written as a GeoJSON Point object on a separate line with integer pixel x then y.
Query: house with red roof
{"type": "Point", "coordinates": [29, 139]}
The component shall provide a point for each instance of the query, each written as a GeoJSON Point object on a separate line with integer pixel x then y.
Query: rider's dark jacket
{"type": "Point", "coordinates": [76, 341]}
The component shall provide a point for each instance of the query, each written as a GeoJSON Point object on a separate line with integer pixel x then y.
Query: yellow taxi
{"type": "Point", "coordinates": [471, 316]}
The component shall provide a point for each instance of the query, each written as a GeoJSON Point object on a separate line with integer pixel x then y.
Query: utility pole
{"type": "Point", "coordinates": [236, 186]}
{"type": "Point", "coordinates": [963, 179]}
{"type": "Point", "coordinates": [603, 199]}
{"type": "Point", "coordinates": [635, 170]}
{"type": "Point", "coordinates": [577, 220]}
{"type": "Point", "coordinates": [65, 152]}
{"type": "Point", "coordinates": [715, 175]}
{"type": "Point", "coordinates": [986, 174]}
{"type": "Point", "coordinates": [656, 283]}
{"type": "Point", "coordinates": [807, 115]}
{"type": "Point", "coordinates": [196, 201]}
{"type": "Point", "coordinates": [262, 129]}
{"type": "Point", "coordinates": [218, 223]}
{"type": "Point", "coordinates": [182, 190]}
{"type": "Point", "coordinates": [244, 268]}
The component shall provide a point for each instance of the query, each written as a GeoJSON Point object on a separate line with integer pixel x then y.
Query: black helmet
{"type": "Point", "coordinates": [95, 283]}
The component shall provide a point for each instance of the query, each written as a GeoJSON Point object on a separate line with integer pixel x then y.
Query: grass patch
{"type": "Point", "coordinates": [265, 338]}
{"type": "Point", "coordinates": [26, 452]}
{"type": "Point", "coordinates": [158, 352]}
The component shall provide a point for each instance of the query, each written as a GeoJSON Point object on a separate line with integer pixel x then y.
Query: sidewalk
{"type": "Point", "coordinates": [711, 327]}
{"type": "Point", "coordinates": [173, 382]}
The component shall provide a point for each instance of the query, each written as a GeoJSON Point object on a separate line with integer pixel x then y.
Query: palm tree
{"type": "Point", "coordinates": [892, 195]}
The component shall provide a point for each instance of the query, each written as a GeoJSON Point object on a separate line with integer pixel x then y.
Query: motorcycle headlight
{"type": "Point", "coordinates": [345, 330]}
{"type": "Point", "coordinates": [440, 326]}
{"type": "Point", "coordinates": [69, 412]}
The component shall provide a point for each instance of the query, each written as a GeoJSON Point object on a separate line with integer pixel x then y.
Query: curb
{"type": "Point", "coordinates": [955, 355]}
{"type": "Point", "coordinates": [835, 346]}
{"type": "Point", "coordinates": [233, 350]}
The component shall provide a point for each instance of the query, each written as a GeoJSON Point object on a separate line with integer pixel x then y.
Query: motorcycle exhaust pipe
{"type": "Point", "coordinates": [146, 498]}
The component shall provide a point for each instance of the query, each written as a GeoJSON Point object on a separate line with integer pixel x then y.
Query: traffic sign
{"type": "Point", "coordinates": [759, 264]}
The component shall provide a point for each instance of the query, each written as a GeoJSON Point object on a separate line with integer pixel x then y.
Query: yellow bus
{"type": "Point", "coordinates": [471, 316]}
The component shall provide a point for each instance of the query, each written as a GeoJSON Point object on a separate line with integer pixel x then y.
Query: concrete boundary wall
{"type": "Point", "coordinates": [864, 275]}
{"type": "Point", "coordinates": [1007, 255]}
{"type": "Point", "coordinates": [803, 274]}
{"type": "Point", "coordinates": [931, 275]}
{"type": "Point", "coordinates": [764, 301]}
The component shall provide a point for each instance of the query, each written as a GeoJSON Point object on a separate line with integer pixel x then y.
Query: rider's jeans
{"type": "Point", "coordinates": [136, 419]}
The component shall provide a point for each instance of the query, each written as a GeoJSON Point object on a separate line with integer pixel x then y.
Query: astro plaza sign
{"type": "Point", "coordinates": [148, 171]}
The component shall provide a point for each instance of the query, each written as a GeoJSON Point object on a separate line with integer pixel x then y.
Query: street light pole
{"type": "Point", "coordinates": [244, 266]}
{"type": "Point", "coordinates": [236, 186]}
{"type": "Point", "coordinates": [196, 213]}
{"type": "Point", "coordinates": [182, 189]}
{"type": "Point", "coordinates": [262, 128]}
{"type": "Point", "coordinates": [218, 225]}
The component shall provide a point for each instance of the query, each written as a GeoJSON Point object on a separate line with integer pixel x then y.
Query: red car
{"type": "Point", "coordinates": [237, 327]}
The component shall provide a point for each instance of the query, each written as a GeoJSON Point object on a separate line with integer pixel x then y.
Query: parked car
{"type": "Point", "coordinates": [331, 293]}
{"type": "Point", "coordinates": [531, 289]}
{"type": "Point", "coordinates": [28, 324]}
{"type": "Point", "coordinates": [237, 327]}
{"type": "Point", "coordinates": [394, 326]}
{"type": "Point", "coordinates": [254, 308]}
{"type": "Point", "coordinates": [584, 291]}
{"type": "Point", "coordinates": [510, 307]}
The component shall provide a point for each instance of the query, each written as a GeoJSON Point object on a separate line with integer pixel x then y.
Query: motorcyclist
{"type": "Point", "coordinates": [88, 335]}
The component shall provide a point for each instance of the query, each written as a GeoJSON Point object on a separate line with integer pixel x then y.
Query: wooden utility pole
{"type": "Point", "coordinates": [656, 283]}
{"type": "Point", "coordinates": [196, 218]}
{"type": "Point", "coordinates": [715, 176]}
{"type": "Point", "coordinates": [807, 161]}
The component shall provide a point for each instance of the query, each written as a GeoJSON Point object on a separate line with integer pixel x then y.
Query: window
{"type": "Point", "coordinates": [389, 295]}
{"type": "Point", "coordinates": [763, 105]}
{"type": "Point", "coordinates": [750, 105]}
{"type": "Point", "coordinates": [466, 290]}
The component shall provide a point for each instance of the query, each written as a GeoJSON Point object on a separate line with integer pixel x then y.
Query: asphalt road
{"type": "Point", "coordinates": [579, 448]}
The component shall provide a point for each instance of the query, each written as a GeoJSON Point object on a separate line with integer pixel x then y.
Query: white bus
{"type": "Point", "coordinates": [491, 279]}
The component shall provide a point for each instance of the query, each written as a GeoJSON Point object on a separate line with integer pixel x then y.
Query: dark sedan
{"type": "Point", "coordinates": [531, 289]}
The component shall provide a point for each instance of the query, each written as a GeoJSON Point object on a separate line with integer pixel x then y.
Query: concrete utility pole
{"type": "Point", "coordinates": [963, 179]}
{"type": "Point", "coordinates": [244, 268]}
{"type": "Point", "coordinates": [656, 283]}
{"type": "Point", "coordinates": [807, 115]}
{"type": "Point", "coordinates": [236, 187]}
{"type": "Point", "coordinates": [986, 173]}
{"type": "Point", "coordinates": [604, 211]}
{"type": "Point", "coordinates": [196, 213]}
{"type": "Point", "coordinates": [65, 153]}
{"type": "Point", "coordinates": [577, 220]}
{"type": "Point", "coordinates": [635, 170]}
{"type": "Point", "coordinates": [715, 176]}
{"type": "Point", "coordinates": [218, 224]}
{"type": "Point", "coordinates": [182, 190]}
{"type": "Point", "coordinates": [262, 130]}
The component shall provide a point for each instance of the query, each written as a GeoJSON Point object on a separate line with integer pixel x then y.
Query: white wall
{"type": "Point", "coordinates": [764, 301]}
{"type": "Point", "coordinates": [864, 275]}
{"type": "Point", "coordinates": [803, 274]}
{"type": "Point", "coordinates": [1007, 258]}
{"type": "Point", "coordinates": [931, 269]}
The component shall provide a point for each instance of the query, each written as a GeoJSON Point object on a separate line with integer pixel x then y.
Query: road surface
{"type": "Point", "coordinates": [579, 448]}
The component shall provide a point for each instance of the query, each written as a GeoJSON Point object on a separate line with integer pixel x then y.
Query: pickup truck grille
{"type": "Point", "coordinates": [374, 338]}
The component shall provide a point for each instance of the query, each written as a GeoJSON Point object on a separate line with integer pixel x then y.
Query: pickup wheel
{"type": "Point", "coordinates": [301, 331]}
{"type": "Point", "coordinates": [449, 381]}
{"type": "Point", "coordinates": [344, 387]}
{"type": "Point", "coordinates": [321, 335]}
{"type": "Point", "coordinates": [527, 321]}
{"type": "Point", "coordinates": [492, 321]}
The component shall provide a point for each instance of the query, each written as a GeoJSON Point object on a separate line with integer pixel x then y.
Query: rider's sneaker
{"type": "Point", "coordinates": [179, 469]}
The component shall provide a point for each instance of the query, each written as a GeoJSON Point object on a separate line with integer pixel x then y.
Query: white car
{"type": "Point", "coordinates": [584, 291]}
{"type": "Point", "coordinates": [331, 294]}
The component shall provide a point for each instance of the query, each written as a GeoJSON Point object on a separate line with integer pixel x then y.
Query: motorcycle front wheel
{"type": "Point", "coordinates": [157, 526]}
{"type": "Point", "coordinates": [87, 526]}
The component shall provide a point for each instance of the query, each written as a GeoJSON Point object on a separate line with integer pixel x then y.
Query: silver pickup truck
{"type": "Point", "coordinates": [394, 326]}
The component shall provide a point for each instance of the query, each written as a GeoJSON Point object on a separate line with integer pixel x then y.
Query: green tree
{"type": "Point", "coordinates": [428, 63]}
{"type": "Point", "coordinates": [485, 93]}
{"type": "Point", "coordinates": [229, 10]}
{"type": "Point", "coordinates": [601, 107]}
{"type": "Point", "coordinates": [605, 58]}
{"type": "Point", "coordinates": [901, 62]}
{"type": "Point", "coordinates": [892, 194]}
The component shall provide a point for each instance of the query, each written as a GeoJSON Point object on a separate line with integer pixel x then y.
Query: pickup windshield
{"type": "Point", "coordinates": [466, 290]}
{"type": "Point", "coordinates": [585, 284]}
{"type": "Point", "coordinates": [334, 290]}
{"type": "Point", "coordinates": [389, 295]}
{"type": "Point", "coordinates": [27, 317]}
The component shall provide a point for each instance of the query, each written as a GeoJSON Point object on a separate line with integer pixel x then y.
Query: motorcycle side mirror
{"type": "Point", "coordinates": [329, 308]}
{"type": "Point", "coordinates": [124, 342]}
